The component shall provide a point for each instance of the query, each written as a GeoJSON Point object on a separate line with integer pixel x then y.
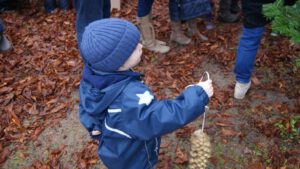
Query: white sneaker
{"type": "Point", "coordinates": [241, 89]}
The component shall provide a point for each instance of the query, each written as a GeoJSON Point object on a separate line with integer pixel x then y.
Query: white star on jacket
{"type": "Point", "coordinates": [145, 98]}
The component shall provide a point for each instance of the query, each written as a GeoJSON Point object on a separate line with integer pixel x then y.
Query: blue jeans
{"type": "Point", "coordinates": [88, 11]}
{"type": "Point", "coordinates": [50, 5]}
{"type": "Point", "coordinates": [246, 53]}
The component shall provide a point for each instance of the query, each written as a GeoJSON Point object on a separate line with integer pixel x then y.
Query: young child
{"type": "Point", "coordinates": [117, 108]}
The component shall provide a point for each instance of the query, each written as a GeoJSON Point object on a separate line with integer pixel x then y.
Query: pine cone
{"type": "Point", "coordinates": [200, 150]}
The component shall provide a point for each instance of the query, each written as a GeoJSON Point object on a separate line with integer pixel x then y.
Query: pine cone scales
{"type": "Point", "coordinates": [200, 150]}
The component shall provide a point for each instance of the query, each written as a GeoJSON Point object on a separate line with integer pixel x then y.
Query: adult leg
{"type": "Point", "coordinates": [88, 11]}
{"type": "Point", "coordinates": [253, 30]}
{"type": "Point", "coordinates": [49, 5]}
{"type": "Point", "coordinates": [177, 34]}
{"type": "Point", "coordinates": [246, 53]}
{"type": "Point", "coordinates": [64, 4]}
{"type": "Point", "coordinates": [144, 7]}
{"type": "Point", "coordinates": [145, 25]}
{"type": "Point", "coordinates": [106, 8]}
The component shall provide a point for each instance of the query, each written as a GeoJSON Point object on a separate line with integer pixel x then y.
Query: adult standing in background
{"type": "Point", "coordinates": [179, 10]}
{"type": "Point", "coordinates": [189, 11]}
{"type": "Point", "coordinates": [253, 30]}
{"type": "Point", "coordinates": [88, 11]}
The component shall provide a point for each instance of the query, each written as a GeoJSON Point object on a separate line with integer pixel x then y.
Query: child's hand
{"type": "Point", "coordinates": [207, 86]}
{"type": "Point", "coordinates": [96, 133]}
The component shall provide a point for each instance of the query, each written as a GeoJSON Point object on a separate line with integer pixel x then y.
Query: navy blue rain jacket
{"type": "Point", "coordinates": [132, 121]}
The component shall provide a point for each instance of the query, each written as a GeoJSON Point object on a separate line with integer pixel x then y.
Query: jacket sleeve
{"type": "Point", "coordinates": [145, 117]}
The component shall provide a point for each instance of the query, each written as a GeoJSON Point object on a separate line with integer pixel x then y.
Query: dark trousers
{"type": "Point", "coordinates": [88, 11]}
{"type": "Point", "coordinates": [144, 7]}
{"type": "Point", "coordinates": [1, 27]}
{"type": "Point", "coordinates": [50, 5]}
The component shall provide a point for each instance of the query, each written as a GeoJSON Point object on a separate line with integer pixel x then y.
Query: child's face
{"type": "Point", "coordinates": [134, 59]}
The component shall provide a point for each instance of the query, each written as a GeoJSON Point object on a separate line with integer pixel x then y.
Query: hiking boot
{"type": "Point", "coordinates": [148, 35]}
{"type": "Point", "coordinates": [177, 34]}
{"type": "Point", "coordinates": [241, 89]}
{"type": "Point", "coordinates": [194, 31]}
{"type": "Point", "coordinates": [5, 45]}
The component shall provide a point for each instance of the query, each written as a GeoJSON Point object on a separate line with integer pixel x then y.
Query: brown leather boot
{"type": "Point", "coordinates": [177, 34]}
{"type": "Point", "coordinates": [148, 35]}
{"type": "Point", "coordinates": [193, 30]}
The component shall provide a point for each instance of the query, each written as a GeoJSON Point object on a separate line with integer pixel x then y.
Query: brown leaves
{"type": "Point", "coordinates": [53, 162]}
{"type": "Point", "coordinates": [4, 154]}
{"type": "Point", "coordinates": [88, 156]}
{"type": "Point", "coordinates": [58, 108]}
{"type": "Point", "coordinates": [33, 110]}
{"type": "Point", "coordinates": [230, 133]}
{"type": "Point", "coordinates": [257, 165]}
{"type": "Point", "coordinates": [181, 157]}
{"type": "Point", "coordinates": [185, 131]}
{"type": "Point", "coordinates": [223, 123]}
{"type": "Point", "coordinates": [38, 75]}
{"type": "Point", "coordinates": [5, 90]}
{"type": "Point", "coordinates": [14, 117]}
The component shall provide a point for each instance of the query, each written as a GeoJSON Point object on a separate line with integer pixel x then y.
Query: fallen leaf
{"type": "Point", "coordinates": [181, 157]}
{"type": "Point", "coordinates": [33, 110]}
{"type": "Point", "coordinates": [230, 133]}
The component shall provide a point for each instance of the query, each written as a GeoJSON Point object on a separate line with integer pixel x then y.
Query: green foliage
{"type": "Point", "coordinates": [285, 19]}
{"type": "Point", "coordinates": [298, 62]}
{"type": "Point", "coordinates": [289, 130]}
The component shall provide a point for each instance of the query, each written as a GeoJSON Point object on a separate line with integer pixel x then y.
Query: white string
{"type": "Point", "coordinates": [203, 120]}
{"type": "Point", "coordinates": [206, 107]}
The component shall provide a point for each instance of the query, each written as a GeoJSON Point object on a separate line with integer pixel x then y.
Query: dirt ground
{"type": "Point", "coordinates": [245, 134]}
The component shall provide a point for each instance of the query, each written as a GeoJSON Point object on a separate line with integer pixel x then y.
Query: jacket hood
{"type": "Point", "coordinates": [94, 102]}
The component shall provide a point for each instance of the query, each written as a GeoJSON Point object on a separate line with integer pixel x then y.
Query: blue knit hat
{"type": "Point", "coordinates": [107, 43]}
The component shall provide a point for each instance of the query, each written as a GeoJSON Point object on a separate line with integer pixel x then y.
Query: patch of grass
{"type": "Point", "coordinates": [288, 130]}
{"type": "Point", "coordinates": [218, 154]}
{"type": "Point", "coordinates": [298, 62]}
{"type": "Point", "coordinates": [263, 154]}
{"type": "Point", "coordinates": [218, 149]}
{"type": "Point", "coordinates": [16, 160]}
